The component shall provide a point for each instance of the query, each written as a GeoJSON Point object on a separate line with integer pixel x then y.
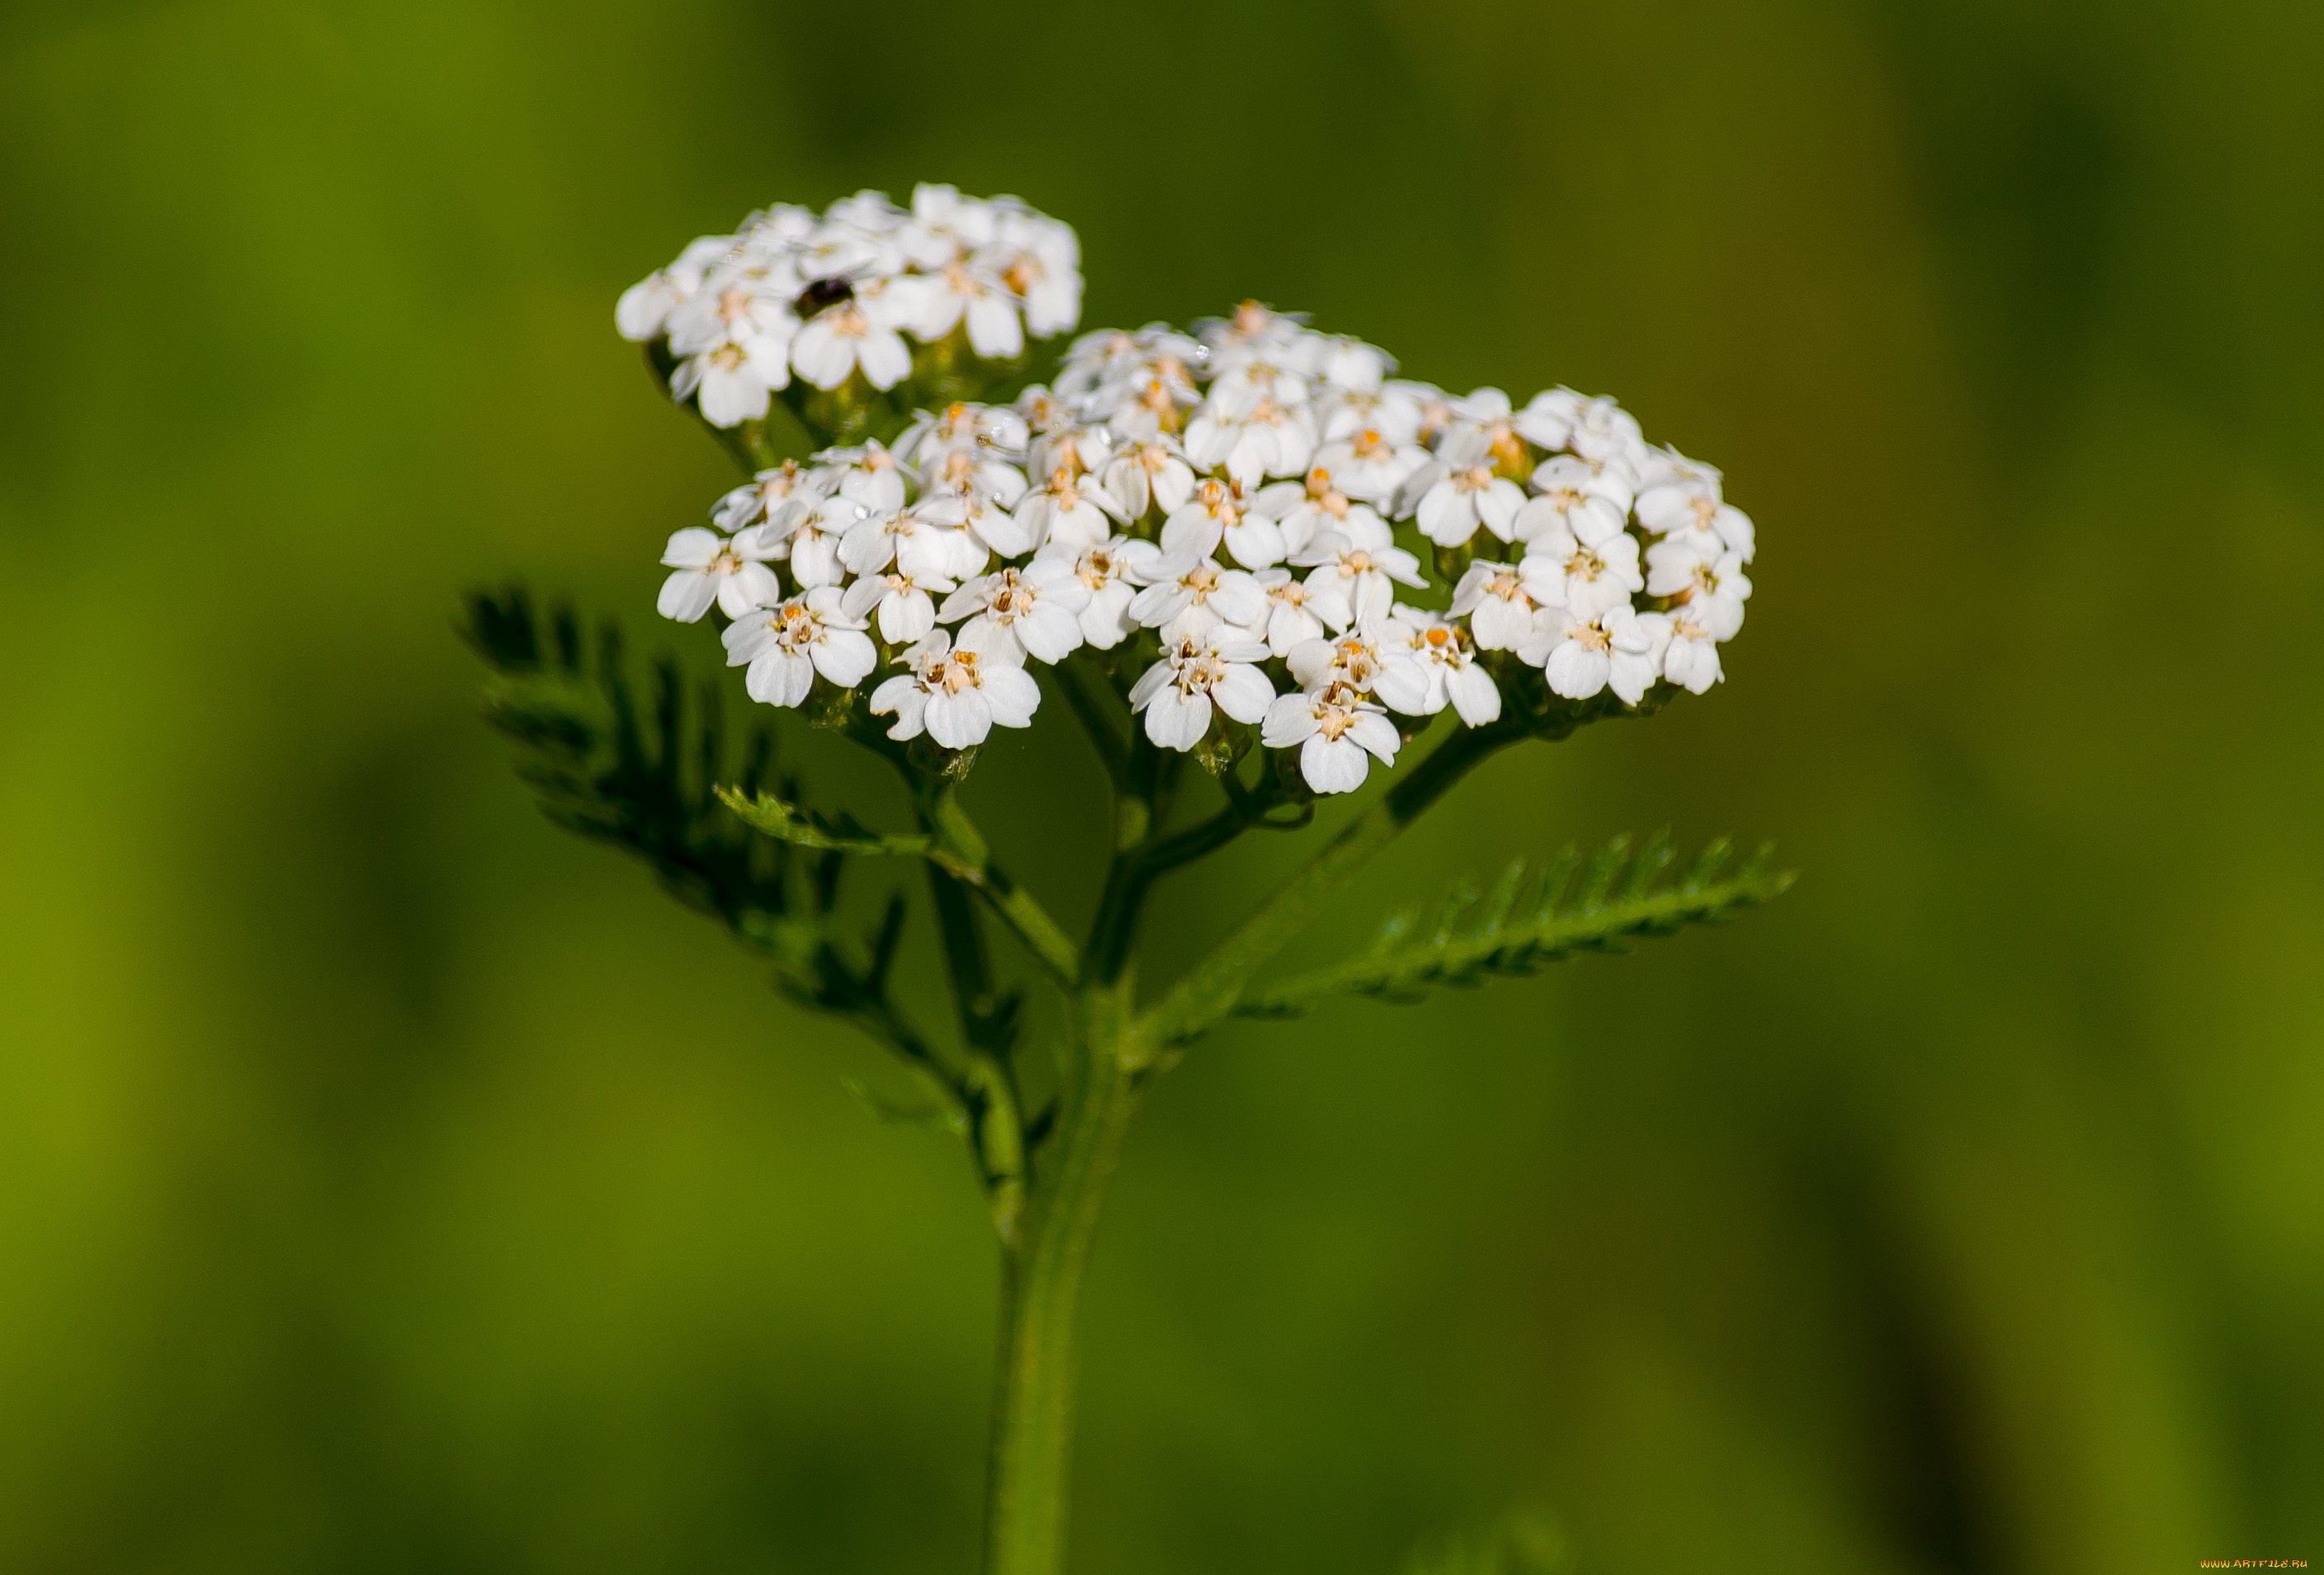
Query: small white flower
{"type": "Point", "coordinates": [1196, 672]}
{"type": "Point", "coordinates": [1254, 332]}
{"type": "Point", "coordinates": [644, 309]}
{"type": "Point", "coordinates": [1336, 733]}
{"type": "Point", "coordinates": [1592, 501]}
{"type": "Point", "coordinates": [786, 646]}
{"type": "Point", "coordinates": [1690, 660]}
{"type": "Point", "coordinates": [906, 610]}
{"type": "Point", "coordinates": [1072, 511]}
{"type": "Point", "coordinates": [1150, 472]}
{"type": "Point", "coordinates": [1151, 398]}
{"type": "Point", "coordinates": [1247, 380]}
{"type": "Point", "coordinates": [1683, 500]}
{"type": "Point", "coordinates": [733, 382]}
{"type": "Point", "coordinates": [925, 541]}
{"type": "Point", "coordinates": [933, 304]}
{"type": "Point", "coordinates": [1044, 411]}
{"type": "Point", "coordinates": [1368, 464]}
{"type": "Point", "coordinates": [1429, 661]}
{"type": "Point", "coordinates": [1359, 557]}
{"type": "Point", "coordinates": [1305, 509]}
{"type": "Point", "coordinates": [1452, 503]}
{"type": "Point", "coordinates": [945, 226]}
{"type": "Point", "coordinates": [954, 696]}
{"type": "Point", "coordinates": [993, 528]}
{"type": "Point", "coordinates": [735, 309]}
{"type": "Point", "coordinates": [1040, 260]}
{"type": "Point", "coordinates": [810, 537]}
{"type": "Point", "coordinates": [872, 213]}
{"type": "Point", "coordinates": [1595, 429]}
{"type": "Point", "coordinates": [1297, 614]}
{"type": "Point", "coordinates": [1033, 611]}
{"type": "Point", "coordinates": [1350, 363]}
{"type": "Point", "coordinates": [1353, 659]}
{"type": "Point", "coordinates": [1393, 411]}
{"type": "Point", "coordinates": [1711, 590]}
{"type": "Point", "coordinates": [1189, 595]}
{"type": "Point", "coordinates": [973, 474]}
{"type": "Point", "coordinates": [1068, 446]}
{"type": "Point", "coordinates": [1112, 357]}
{"type": "Point", "coordinates": [1589, 576]}
{"type": "Point", "coordinates": [986, 431]}
{"type": "Point", "coordinates": [764, 495]}
{"type": "Point", "coordinates": [711, 568]}
{"type": "Point", "coordinates": [1267, 438]}
{"type": "Point", "coordinates": [1437, 412]}
{"type": "Point", "coordinates": [840, 251]}
{"type": "Point", "coordinates": [1112, 572]}
{"type": "Point", "coordinates": [870, 476]}
{"type": "Point", "coordinates": [1484, 432]}
{"type": "Point", "coordinates": [839, 339]}
{"type": "Point", "coordinates": [1616, 650]}
{"type": "Point", "coordinates": [1500, 601]}
{"type": "Point", "coordinates": [1217, 512]}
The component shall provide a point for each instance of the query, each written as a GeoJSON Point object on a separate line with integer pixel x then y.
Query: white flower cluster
{"type": "Point", "coordinates": [1228, 501]}
{"type": "Point", "coordinates": [823, 296]}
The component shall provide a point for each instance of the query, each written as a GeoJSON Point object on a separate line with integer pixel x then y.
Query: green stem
{"type": "Point", "coordinates": [1040, 1291]}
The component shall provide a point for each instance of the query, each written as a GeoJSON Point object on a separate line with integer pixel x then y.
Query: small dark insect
{"type": "Point", "coordinates": [824, 292]}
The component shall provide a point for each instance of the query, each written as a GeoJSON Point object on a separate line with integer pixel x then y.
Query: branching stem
{"type": "Point", "coordinates": [1210, 988]}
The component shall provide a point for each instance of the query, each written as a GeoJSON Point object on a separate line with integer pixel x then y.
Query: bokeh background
{"type": "Point", "coordinates": [388, 1182]}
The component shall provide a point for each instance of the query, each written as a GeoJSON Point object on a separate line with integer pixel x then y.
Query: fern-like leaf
{"type": "Point", "coordinates": [1530, 917]}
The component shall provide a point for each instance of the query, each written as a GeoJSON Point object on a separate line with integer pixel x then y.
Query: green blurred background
{"type": "Point", "coordinates": [388, 1182]}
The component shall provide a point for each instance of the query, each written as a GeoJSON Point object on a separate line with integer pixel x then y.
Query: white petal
{"type": "Point", "coordinates": [1475, 694]}
{"type": "Point", "coordinates": [687, 595]}
{"type": "Point", "coordinates": [1149, 683]}
{"type": "Point", "coordinates": [1244, 692]}
{"type": "Point", "coordinates": [693, 547]}
{"type": "Point", "coordinates": [957, 721]}
{"type": "Point", "coordinates": [1050, 632]}
{"type": "Point", "coordinates": [1290, 720]}
{"type": "Point", "coordinates": [822, 355]}
{"type": "Point", "coordinates": [1256, 542]}
{"type": "Point", "coordinates": [993, 329]}
{"type": "Point", "coordinates": [1177, 720]}
{"type": "Point", "coordinates": [1012, 695]}
{"type": "Point", "coordinates": [846, 657]}
{"type": "Point", "coordinates": [1375, 735]}
{"type": "Point", "coordinates": [1332, 765]}
{"type": "Point", "coordinates": [1576, 672]}
{"type": "Point", "coordinates": [887, 361]}
{"type": "Point", "coordinates": [780, 676]}
{"type": "Point", "coordinates": [1402, 684]}
{"type": "Point", "coordinates": [1193, 528]}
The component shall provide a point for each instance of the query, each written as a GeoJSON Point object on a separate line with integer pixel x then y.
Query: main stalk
{"type": "Point", "coordinates": [1040, 1292]}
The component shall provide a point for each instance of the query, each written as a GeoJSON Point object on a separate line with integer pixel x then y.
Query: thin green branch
{"type": "Point", "coordinates": [1134, 868]}
{"type": "Point", "coordinates": [960, 849]}
{"type": "Point", "coordinates": [803, 828]}
{"type": "Point", "coordinates": [951, 843]}
{"type": "Point", "coordinates": [988, 1024]}
{"type": "Point", "coordinates": [1210, 988]}
{"type": "Point", "coordinates": [1530, 919]}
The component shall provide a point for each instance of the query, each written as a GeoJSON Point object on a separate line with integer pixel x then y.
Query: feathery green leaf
{"type": "Point", "coordinates": [1529, 919]}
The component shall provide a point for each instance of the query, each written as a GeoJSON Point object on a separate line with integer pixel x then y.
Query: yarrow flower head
{"type": "Point", "coordinates": [1248, 524]}
{"type": "Point", "coordinates": [837, 301]}
{"type": "Point", "coordinates": [1247, 546]}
